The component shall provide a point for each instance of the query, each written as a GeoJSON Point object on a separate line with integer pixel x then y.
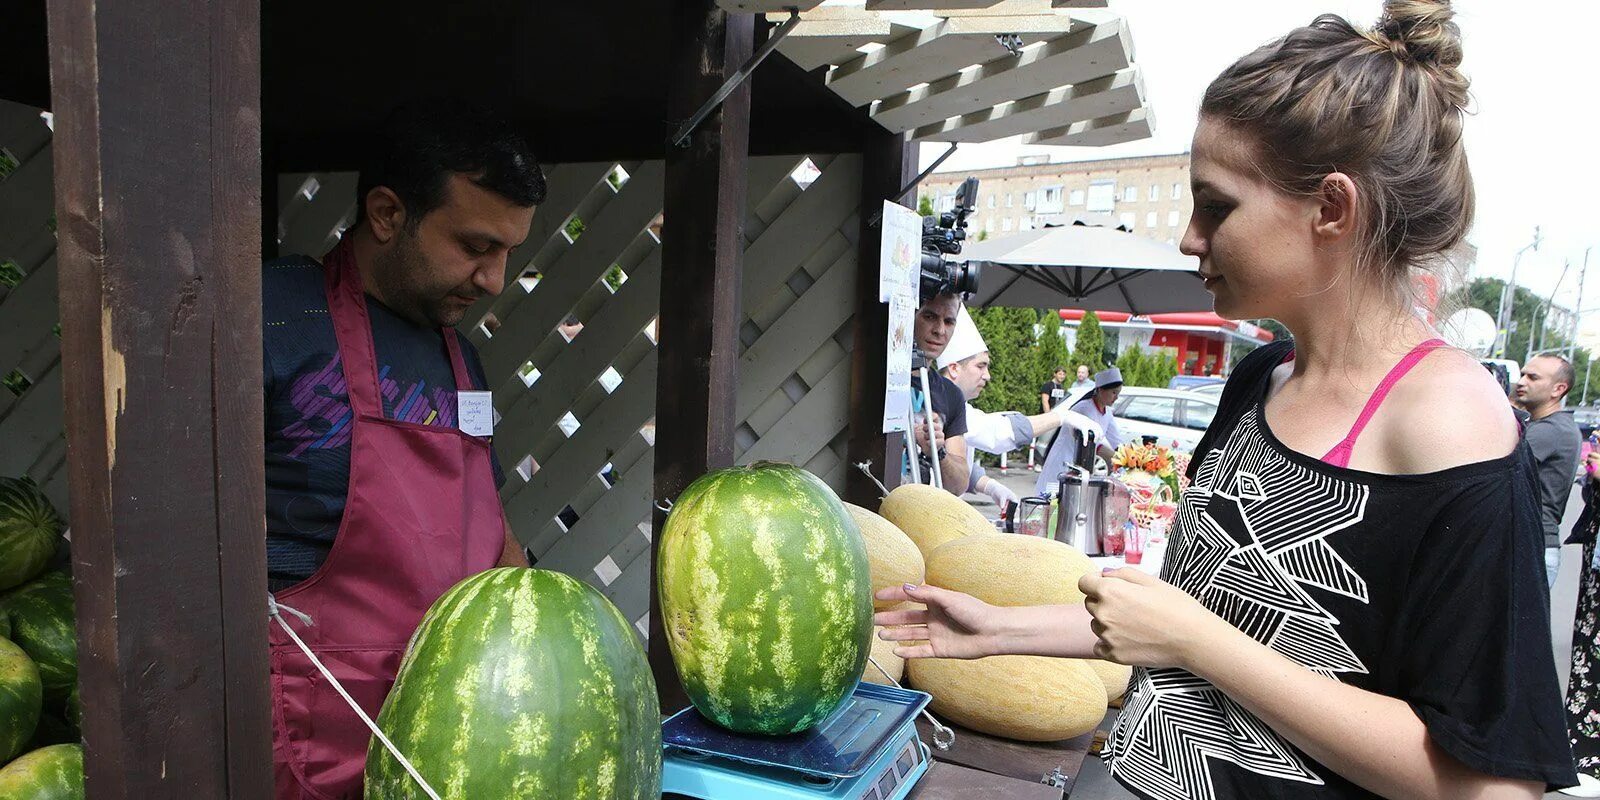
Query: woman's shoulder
{"type": "Point", "coordinates": [1448, 412]}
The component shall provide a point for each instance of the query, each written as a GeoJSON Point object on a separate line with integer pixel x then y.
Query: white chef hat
{"type": "Point", "coordinates": [965, 341]}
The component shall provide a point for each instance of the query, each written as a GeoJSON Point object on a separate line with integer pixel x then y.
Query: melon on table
{"type": "Point", "coordinates": [932, 516]}
{"type": "Point", "coordinates": [30, 528]}
{"type": "Point", "coordinates": [892, 558]}
{"type": "Point", "coordinates": [1027, 698]}
{"type": "Point", "coordinates": [766, 597]}
{"type": "Point", "coordinates": [1005, 569]}
{"type": "Point", "coordinates": [42, 624]}
{"type": "Point", "coordinates": [521, 683]}
{"type": "Point", "coordinates": [21, 699]}
{"type": "Point", "coordinates": [49, 773]}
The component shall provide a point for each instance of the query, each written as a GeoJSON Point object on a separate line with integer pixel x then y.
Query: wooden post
{"type": "Point", "coordinates": [887, 164]}
{"type": "Point", "coordinates": [158, 190]}
{"type": "Point", "coordinates": [702, 256]}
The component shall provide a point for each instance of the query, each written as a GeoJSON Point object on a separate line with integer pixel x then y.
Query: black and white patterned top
{"type": "Point", "coordinates": [1428, 588]}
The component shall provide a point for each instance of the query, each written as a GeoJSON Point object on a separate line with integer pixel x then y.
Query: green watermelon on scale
{"type": "Point", "coordinates": [21, 698]}
{"type": "Point", "coordinates": [41, 615]}
{"type": "Point", "coordinates": [49, 773]}
{"type": "Point", "coordinates": [30, 528]}
{"type": "Point", "coordinates": [766, 598]}
{"type": "Point", "coordinates": [521, 683]}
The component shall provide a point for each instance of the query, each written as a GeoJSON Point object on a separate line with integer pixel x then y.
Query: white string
{"type": "Point", "coordinates": [942, 737]}
{"type": "Point", "coordinates": [273, 609]}
{"type": "Point", "coordinates": [866, 467]}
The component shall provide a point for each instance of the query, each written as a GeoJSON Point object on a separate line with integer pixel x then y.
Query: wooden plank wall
{"type": "Point", "coordinates": [31, 432]}
{"type": "Point", "coordinates": [576, 429]}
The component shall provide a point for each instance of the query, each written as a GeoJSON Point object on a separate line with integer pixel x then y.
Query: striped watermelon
{"type": "Point", "coordinates": [29, 531]}
{"type": "Point", "coordinates": [41, 624]}
{"type": "Point", "coordinates": [522, 683]}
{"type": "Point", "coordinates": [21, 698]}
{"type": "Point", "coordinates": [766, 597]}
{"type": "Point", "coordinates": [49, 773]}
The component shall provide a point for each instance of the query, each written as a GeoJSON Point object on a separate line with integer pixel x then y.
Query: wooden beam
{"type": "Point", "coordinates": [888, 163]}
{"type": "Point", "coordinates": [702, 256]}
{"type": "Point", "coordinates": [158, 178]}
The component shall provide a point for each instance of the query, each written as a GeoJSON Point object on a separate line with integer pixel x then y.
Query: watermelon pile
{"type": "Point", "coordinates": [521, 683]}
{"type": "Point", "coordinates": [766, 596]}
{"type": "Point", "coordinates": [40, 758]}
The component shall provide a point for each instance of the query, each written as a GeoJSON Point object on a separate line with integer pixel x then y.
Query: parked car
{"type": "Point", "coordinates": [1211, 389]}
{"type": "Point", "coordinates": [1169, 415]}
{"type": "Point", "coordinates": [1182, 382]}
{"type": "Point", "coordinates": [1588, 418]}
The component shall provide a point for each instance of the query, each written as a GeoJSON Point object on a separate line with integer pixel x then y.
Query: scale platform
{"type": "Point", "coordinates": [867, 750]}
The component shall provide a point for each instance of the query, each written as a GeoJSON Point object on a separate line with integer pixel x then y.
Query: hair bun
{"type": "Point", "coordinates": [1424, 30]}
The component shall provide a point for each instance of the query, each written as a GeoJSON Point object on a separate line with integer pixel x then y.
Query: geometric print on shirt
{"type": "Point", "coordinates": [1250, 544]}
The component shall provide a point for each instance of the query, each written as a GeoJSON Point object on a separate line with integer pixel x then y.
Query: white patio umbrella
{"type": "Point", "coordinates": [1084, 265]}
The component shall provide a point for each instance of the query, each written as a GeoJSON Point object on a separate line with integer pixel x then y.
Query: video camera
{"type": "Point", "coordinates": [943, 235]}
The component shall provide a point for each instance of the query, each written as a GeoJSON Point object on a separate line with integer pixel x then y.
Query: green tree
{"type": "Point", "coordinates": [925, 206]}
{"type": "Point", "coordinates": [1051, 352]}
{"type": "Point", "coordinates": [1013, 370]}
{"type": "Point", "coordinates": [1090, 348]}
{"type": "Point", "coordinates": [1484, 293]}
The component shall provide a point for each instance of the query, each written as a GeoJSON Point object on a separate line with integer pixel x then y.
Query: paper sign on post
{"type": "Point", "coordinates": [899, 260]}
{"type": "Point", "coordinates": [475, 413]}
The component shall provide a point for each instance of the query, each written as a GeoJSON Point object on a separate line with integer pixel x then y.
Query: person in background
{"type": "Point", "coordinates": [1082, 384]}
{"type": "Point", "coordinates": [1054, 390]}
{"type": "Point", "coordinates": [933, 326]}
{"type": "Point", "coordinates": [1096, 407]}
{"type": "Point", "coordinates": [1583, 689]}
{"type": "Point", "coordinates": [965, 361]}
{"type": "Point", "coordinates": [1350, 603]}
{"type": "Point", "coordinates": [1553, 436]}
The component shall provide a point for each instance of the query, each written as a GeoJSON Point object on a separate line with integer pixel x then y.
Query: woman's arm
{"type": "Point", "coordinates": [1375, 741]}
{"type": "Point", "coordinates": [956, 625]}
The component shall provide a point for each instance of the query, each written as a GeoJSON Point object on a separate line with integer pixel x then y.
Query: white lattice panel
{"type": "Point", "coordinates": [31, 432]}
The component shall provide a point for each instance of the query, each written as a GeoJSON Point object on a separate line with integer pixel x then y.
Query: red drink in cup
{"type": "Point", "coordinates": [1133, 545]}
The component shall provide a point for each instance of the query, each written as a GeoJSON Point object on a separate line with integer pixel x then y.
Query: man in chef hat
{"type": "Point", "coordinates": [965, 361]}
{"type": "Point", "coordinates": [1096, 406]}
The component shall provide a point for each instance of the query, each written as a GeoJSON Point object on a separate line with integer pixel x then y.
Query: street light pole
{"type": "Point", "coordinates": [1577, 307]}
{"type": "Point", "coordinates": [1542, 322]}
{"type": "Point", "coordinates": [1508, 299]}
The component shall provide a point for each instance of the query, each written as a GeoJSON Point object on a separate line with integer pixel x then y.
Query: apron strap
{"type": "Point", "coordinates": [347, 308]}
{"type": "Point", "coordinates": [458, 363]}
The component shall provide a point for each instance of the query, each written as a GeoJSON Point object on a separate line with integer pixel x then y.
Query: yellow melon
{"type": "Point", "coordinates": [1115, 677]}
{"type": "Point", "coordinates": [892, 558]}
{"type": "Point", "coordinates": [1028, 698]}
{"type": "Point", "coordinates": [883, 653]}
{"type": "Point", "coordinates": [1006, 569]}
{"type": "Point", "coordinates": [932, 516]}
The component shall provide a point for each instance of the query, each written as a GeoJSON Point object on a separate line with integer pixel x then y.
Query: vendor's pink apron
{"type": "Point", "coordinates": [421, 514]}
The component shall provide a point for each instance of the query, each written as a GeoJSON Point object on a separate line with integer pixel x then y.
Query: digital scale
{"type": "Point", "coordinates": [867, 750]}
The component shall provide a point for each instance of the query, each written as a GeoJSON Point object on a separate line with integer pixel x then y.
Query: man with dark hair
{"type": "Point", "coordinates": [1054, 390]}
{"type": "Point", "coordinates": [1552, 434]}
{"type": "Point", "coordinates": [382, 489]}
{"type": "Point", "coordinates": [934, 325]}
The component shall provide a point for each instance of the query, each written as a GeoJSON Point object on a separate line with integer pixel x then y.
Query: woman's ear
{"type": "Point", "coordinates": [1338, 214]}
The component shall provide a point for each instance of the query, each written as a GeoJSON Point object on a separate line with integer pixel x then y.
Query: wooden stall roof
{"type": "Point", "coordinates": [586, 81]}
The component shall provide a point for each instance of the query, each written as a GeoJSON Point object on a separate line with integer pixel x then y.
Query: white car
{"type": "Point", "coordinates": [1167, 414]}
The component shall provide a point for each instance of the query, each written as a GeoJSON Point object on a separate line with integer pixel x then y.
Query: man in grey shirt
{"type": "Point", "coordinates": [1554, 439]}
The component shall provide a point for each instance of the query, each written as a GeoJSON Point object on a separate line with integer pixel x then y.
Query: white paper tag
{"type": "Point", "coordinates": [475, 413]}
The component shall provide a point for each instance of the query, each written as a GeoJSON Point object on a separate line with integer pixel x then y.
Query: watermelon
{"type": "Point", "coordinates": [21, 698]}
{"type": "Point", "coordinates": [30, 528]}
{"type": "Point", "coordinates": [41, 624]}
{"type": "Point", "coordinates": [49, 773]}
{"type": "Point", "coordinates": [521, 683]}
{"type": "Point", "coordinates": [766, 597]}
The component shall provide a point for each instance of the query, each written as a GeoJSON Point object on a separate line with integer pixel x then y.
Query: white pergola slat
{"type": "Point", "coordinates": [937, 52]}
{"type": "Point", "coordinates": [1090, 52]}
{"type": "Point", "coordinates": [927, 5]}
{"type": "Point", "coordinates": [1095, 99]}
{"type": "Point", "coordinates": [766, 6]}
{"type": "Point", "coordinates": [1116, 129]}
{"type": "Point", "coordinates": [827, 40]}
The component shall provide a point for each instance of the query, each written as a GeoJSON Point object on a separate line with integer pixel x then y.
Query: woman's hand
{"type": "Point", "coordinates": [1146, 622]}
{"type": "Point", "coordinates": [1592, 466]}
{"type": "Point", "coordinates": [954, 625]}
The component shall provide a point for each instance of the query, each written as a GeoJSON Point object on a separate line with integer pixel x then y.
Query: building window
{"type": "Point", "coordinates": [1029, 200]}
{"type": "Point", "coordinates": [1102, 196]}
{"type": "Point", "coordinates": [947, 202]}
{"type": "Point", "coordinates": [1005, 225]}
{"type": "Point", "coordinates": [1010, 198]}
{"type": "Point", "coordinates": [1130, 195]}
{"type": "Point", "coordinates": [1026, 224]}
{"type": "Point", "coordinates": [1150, 220]}
{"type": "Point", "coordinates": [1155, 193]}
{"type": "Point", "coordinates": [1172, 219]}
{"type": "Point", "coordinates": [1130, 220]}
{"type": "Point", "coordinates": [1050, 200]}
{"type": "Point", "coordinates": [991, 201]}
{"type": "Point", "coordinates": [1177, 190]}
{"type": "Point", "coordinates": [1075, 197]}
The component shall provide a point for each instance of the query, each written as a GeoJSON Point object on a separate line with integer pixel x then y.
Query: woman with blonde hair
{"type": "Point", "coordinates": [1352, 602]}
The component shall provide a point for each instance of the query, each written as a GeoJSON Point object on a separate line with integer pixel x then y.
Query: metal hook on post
{"type": "Point", "coordinates": [866, 468]}
{"type": "Point", "coordinates": [681, 138]}
{"type": "Point", "coordinates": [943, 737]}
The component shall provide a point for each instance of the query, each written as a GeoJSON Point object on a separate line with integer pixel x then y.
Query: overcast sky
{"type": "Point", "coordinates": [1531, 139]}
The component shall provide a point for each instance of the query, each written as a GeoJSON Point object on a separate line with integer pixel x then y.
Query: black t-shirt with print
{"type": "Point", "coordinates": [1427, 588]}
{"type": "Point", "coordinates": [1055, 391]}
{"type": "Point", "coordinates": [308, 417]}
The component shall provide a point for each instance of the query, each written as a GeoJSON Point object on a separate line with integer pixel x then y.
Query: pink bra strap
{"type": "Point", "coordinates": [1339, 456]}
